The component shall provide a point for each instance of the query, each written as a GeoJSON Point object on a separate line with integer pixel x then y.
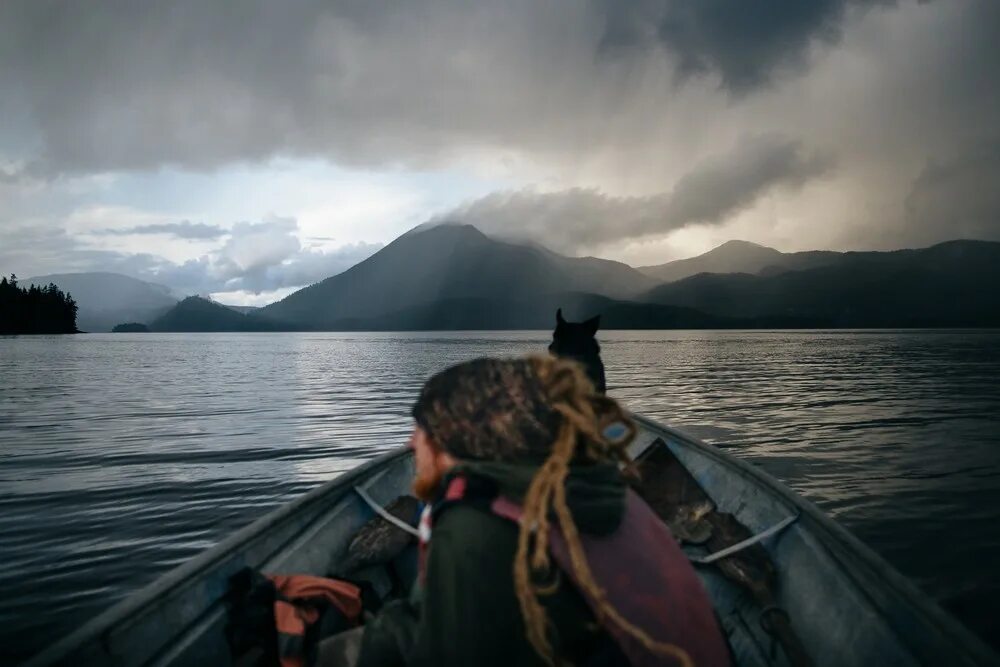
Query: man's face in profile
{"type": "Point", "coordinates": [430, 464]}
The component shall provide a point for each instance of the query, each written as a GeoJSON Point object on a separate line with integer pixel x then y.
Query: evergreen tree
{"type": "Point", "coordinates": [35, 309]}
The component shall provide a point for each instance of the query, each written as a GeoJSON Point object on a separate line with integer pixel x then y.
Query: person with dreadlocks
{"type": "Point", "coordinates": [534, 550]}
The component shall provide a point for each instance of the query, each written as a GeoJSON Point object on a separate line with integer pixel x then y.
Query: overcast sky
{"type": "Point", "coordinates": [246, 149]}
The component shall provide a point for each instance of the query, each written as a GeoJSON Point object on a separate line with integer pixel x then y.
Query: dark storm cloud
{"type": "Point", "coordinates": [620, 97]}
{"type": "Point", "coordinates": [184, 229]}
{"type": "Point", "coordinates": [724, 185]}
{"type": "Point", "coordinates": [710, 193]}
{"type": "Point", "coordinates": [743, 42]}
{"type": "Point", "coordinates": [957, 198]}
{"type": "Point", "coordinates": [201, 84]}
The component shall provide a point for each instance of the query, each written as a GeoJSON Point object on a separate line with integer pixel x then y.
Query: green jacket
{"type": "Point", "coordinates": [467, 612]}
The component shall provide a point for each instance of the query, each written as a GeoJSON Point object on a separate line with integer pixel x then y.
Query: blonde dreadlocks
{"type": "Point", "coordinates": [586, 415]}
{"type": "Point", "coordinates": [536, 408]}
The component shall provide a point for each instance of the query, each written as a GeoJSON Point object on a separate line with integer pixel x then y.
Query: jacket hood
{"type": "Point", "coordinates": [595, 493]}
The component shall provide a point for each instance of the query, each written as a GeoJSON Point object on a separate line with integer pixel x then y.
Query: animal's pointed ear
{"type": "Point", "coordinates": [593, 324]}
{"type": "Point", "coordinates": [559, 318]}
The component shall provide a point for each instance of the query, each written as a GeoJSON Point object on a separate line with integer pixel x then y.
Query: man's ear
{"type": "Point", "coordinates": [593, 324]}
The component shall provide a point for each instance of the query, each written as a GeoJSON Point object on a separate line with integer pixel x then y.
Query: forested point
{"type": "Point", "coordinates": [130, 327]}
{"type": "Point", "coordinates": [34, 309]}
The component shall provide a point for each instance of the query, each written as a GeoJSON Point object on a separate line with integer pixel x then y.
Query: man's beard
{"type": "Point", "coordinates": [425, 487]}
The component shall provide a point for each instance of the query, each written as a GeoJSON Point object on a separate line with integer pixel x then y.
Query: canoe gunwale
{"type": "Point", "coordinates": [151, 594]}
{"type": "Point", "coordinates": [852, 554]}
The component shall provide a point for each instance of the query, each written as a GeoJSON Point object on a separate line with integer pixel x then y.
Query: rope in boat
{"type": "Point", "coordinates": [378, 509]}
{"type": "Point", "coordinates": [750, 541]}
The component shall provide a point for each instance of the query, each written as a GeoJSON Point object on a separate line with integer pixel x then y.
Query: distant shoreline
{"type": "Point", "coordinates": [546, 331]}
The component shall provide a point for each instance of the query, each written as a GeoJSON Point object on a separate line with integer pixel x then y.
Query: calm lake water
{"type": "Point", "coordinates": [123, 455]}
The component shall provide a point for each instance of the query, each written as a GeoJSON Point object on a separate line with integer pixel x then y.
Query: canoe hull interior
{"type": "Point", "coordinates": [847, 605]}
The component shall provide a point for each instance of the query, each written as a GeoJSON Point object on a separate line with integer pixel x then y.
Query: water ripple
{"type": "Point", "coordinates": [122, 455]}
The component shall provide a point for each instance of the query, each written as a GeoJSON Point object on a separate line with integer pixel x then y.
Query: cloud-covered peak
{"type": "Point", "coordinates": [581, 218]}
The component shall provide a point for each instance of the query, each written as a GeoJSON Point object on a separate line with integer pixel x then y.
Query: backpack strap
{"type": "Point", "coordinates": [506, 508]}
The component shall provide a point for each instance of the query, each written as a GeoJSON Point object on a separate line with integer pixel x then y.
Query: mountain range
{"type": "Point", "coordinates": [197, 313]}
{"type": "Point", "coordinates": [456, 277]}
{"type": "Point", "coordinates": [740, 257]}
{"type": "Point", "coordinates": [951, 284]}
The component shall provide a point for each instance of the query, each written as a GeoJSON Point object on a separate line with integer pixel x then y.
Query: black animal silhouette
{"type": "Point", "coordinates": [576, 340]}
